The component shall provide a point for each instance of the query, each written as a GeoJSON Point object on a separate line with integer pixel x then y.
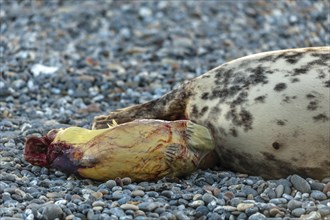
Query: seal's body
{"type": "Point", "coordinates": [268, 113]}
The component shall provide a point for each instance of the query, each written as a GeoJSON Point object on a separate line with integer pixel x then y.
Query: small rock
{"type": "Point", "coordinates": [207, 198]}
{"type": "Point", "coordinates": [324, 211]}
{"type": "Point", "coordinates": [279, 190]}
{"type": "Point", "coordinates": [145, 12]}
{"type": "Point", "coordinates": [196, 203]}
{"type": "Point", "coordinates": [293, 204]}
{"type": "Point", "coordinates": [98, 203]}
{"type": "Point", "coordinates": [326, 188]}
{"type": "Point", "coordinates": [54, 195]}
{"type": "Point", "coordinates": [128, 206]}
{"type": "Point", "coordinates": [52, 211]}
{"type": "Point", "coordinates": [110, 184]}
{"type": "Point", "coordinates": [38, 69]}
{"type": "Point", "coordinates": [298, 212]}
{"type": "Point", "coordinates": [242, 216]}
{"type": "Point", "coordinates": [117, 194]}
{"type": "Point", "coordinates": [148, 206]}
{"type": "Point", "coordinates": [311, 216]}
{"type": "Point", "coordinates": [97, 195]}
{"type": "Point", "coordinates": [180, 215]}
{"type": "Point", "coordinates": [201, 211]}
{"type": "Point", "coordinates": [244, 206]}
{"type": "Point", "coordinates": [229, 195]}
{"type": "Point", "coordinates": [300, 184]}
{"type": "Point", "coordinates": [137, 193]}
{"type": "Point", "coordinates": [318, 195]}
{"type": "Point", "coordinates": [257, 216]}
{"type": "Point", "coordinates": [251, 211]}
{"type": "Point", "coordinates": [126, 181]}
{"type": "Point", "coordinates": [317, 186]}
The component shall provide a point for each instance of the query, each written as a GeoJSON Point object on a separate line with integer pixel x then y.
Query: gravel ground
{"type": "Point", "coordinates": [63, 62]}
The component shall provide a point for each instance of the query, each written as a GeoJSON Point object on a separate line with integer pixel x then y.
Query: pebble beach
{"type": "Point", "coordinates": [64, 62]}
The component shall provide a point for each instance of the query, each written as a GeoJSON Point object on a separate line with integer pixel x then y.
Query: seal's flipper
{"type": "Point", "coordinates": [169, 107]}
{"type": "Point", "coordinates": [171, 153]}
{"type": "Point", "coordinates": [199, 137]}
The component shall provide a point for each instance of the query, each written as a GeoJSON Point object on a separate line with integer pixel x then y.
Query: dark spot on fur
{"type": "Point", "coordinates": [204, 109]}
{"type": "Point", "coordinates": [205, 96]}
{"type": "Point", "coordinates": [243, 118]}
{"type": "Point", "coordinates": [240, 99]}
{"type": "Point", "coordinates": [194, 111]}
{"type": "Point", "coordinates": [259, 75]}
{"type": "Point", "coordinates": [327, 84]}
{"type": "Point", "coordinates": [222, 76]}
{"type": "Point", "coordinates": [222, 131]}
{"type": "Point", "coordinates": [233, 132]}
{"type": "Point", "coordinates": [322, 75]}
{"type": "Point", "coordinates": [213, 130]}
{"type": "Point", "coordinates": [299, 71]}
{"type": "Point", "coordinates": [280, 122]}
{"type": "Point", "coordinates": [287, 99]}
{"type": "Point", "coordinates": [323, 59]}
{"type": "Point", "coordinates": [310, 96]}
{"type": "Point", "coordinates": [260, 99]}
{"type": "Point", "coordinates": [312, 105]}
{"type": "Point", "coordinates": [280, 87]}
{"type": "Point", "coordinates": [246, 119]}
{"type": "Point", "coordinates": [321, 117]}
{"type": "Point", "coordinates": [294, 159]}
{"type": "Point", "coordinates": [295, 80]}
{"type": "Point", "coordinates": [266, 58]}
{"type": "Point", "coordinates": [276, 145]}
{"type": "Point", "coordinates": [293, 58]}
{"type": "Point", "coordinates": [269, 156]}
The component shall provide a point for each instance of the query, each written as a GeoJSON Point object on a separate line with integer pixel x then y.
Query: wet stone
{"type": "Point", "coordinates": [257, 216]}
{"type": "Point", "coordinates": [148, 206]}
{"type": "Point", "coordinates": [207, 198]}
{"type": "Point", "coordinates": [52, 211]}
{"type": "Point", "coordinates": [129, 206]}
{"type": "Point", "coordinates": [317, 186]}
{"type": "Point", "coordinates": [298, 212]}
{"type": "Point", "coordinates": [300, 184]}
{"type": "Point", "coordinates": [318, 195]}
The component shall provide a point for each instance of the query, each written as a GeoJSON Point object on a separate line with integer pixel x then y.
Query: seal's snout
{"type": "Point", "coordinates": [35, 150]}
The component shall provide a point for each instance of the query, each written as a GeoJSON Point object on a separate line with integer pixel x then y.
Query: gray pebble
{"type": "Point", "coordinates": [300, 184]}
{"type": "Point", "coordinates": [117, 195]}
{"type": "Point", "coordinates": [137, 193]}
{"type": "Point", "coordinates": [257, 216]}
{"type": "Point", "coordinates": [52, 211]}
{"type": "Point", "coordinates": [251, 211]}
{"type": "Point", "coordinates": [207, 198]}
{"type": "Point", "coordinates": [242, 216]}
{"type": "Point", "coordinates": [293, 204]}
{"type": "Point", "coordinates": [298, 212]}
{"type": "Point", "coordinates": [278, 201]}
{"type": "Point", "coordinates": [279, 190]}
{"type": "Point", "coordinates": [317, 186]}
{"type": "Point", "coordinates": [110, 184]}
{"type": "Point", "coordinates": [148, 206]}
{"type": "Point", "coordinates": [317, 195]}
{"type": "Point", "coordinates": [324, 211]}
{"type": "Point", "coordinates": [181, 216]}
{"type": "Point", "coordinates": [201, 211]}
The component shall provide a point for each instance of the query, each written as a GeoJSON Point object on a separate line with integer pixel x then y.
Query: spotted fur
{"type": "Point", "coordinates": [268, 112]}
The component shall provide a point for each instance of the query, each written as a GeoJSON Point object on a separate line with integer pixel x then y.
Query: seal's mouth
{"type": "Point", "coordinates": [36, 149]}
